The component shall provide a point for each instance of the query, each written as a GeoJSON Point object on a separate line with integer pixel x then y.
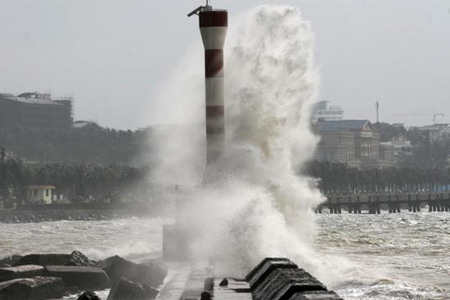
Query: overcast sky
{"type": "Point", "coordinates": [114, 55]}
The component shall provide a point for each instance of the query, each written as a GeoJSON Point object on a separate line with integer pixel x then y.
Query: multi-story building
{"type": "Point", "coordinates": [386, 155]}
{"type": "Point", "coordinates": [352, 142]}
{"type": "Point", "coordinates": [435, 132]}
{"type": "Point", "coordinates": [35, 110]}
{"type": "Point", "coordinates": [324, 112]}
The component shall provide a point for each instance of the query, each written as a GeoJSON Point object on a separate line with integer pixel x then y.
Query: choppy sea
{"type": "Point", "coordinates": [387, 256]}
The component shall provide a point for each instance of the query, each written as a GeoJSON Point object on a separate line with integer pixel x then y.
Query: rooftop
{"type": "Point", "coordinates": [343, 124]}
{"type": "Point", "coordinates": [31, 98]}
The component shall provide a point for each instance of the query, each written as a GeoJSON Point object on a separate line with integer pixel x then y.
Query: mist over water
{"type": "Point", "coordinates": [252, 203]}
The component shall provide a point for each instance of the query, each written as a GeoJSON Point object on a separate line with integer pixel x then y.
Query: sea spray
{"type": "Point", "coordinates": [252, 203]}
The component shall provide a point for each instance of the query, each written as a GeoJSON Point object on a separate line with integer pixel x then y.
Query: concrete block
{"type": "Point", "coordinates": [258, 266]}
{"type": "Point", "coordinates": [25, 271]}
{"type": "Point", "coordinates": [281, 281]}
{"type": "Point", "coordinates": [36, 288]}
{"type": "Point", "coordinates": [127, 290]}
{"type": "Point", "coordinates": [320, 295]}
{"type": "Point", "coordinates": [263, 269]}
{"type": "Point", "coordinates": [88, 296]}
{"type": "Point", "coordinates": [83, 278]}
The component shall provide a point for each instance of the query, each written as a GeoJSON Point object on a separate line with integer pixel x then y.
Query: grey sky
{"type": "Point", "coordinates": [113, 55]}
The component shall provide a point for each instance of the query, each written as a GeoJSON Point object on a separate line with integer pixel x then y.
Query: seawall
{"type": "Point", "coordinates": [74, 211]}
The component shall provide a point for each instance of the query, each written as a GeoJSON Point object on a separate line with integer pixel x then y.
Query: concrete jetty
{"type": "Point", "coordinates": [271, 279]}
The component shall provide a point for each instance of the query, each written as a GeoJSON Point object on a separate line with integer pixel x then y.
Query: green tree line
{"type": "Point", "coordinates": [90, 144]}
{"type": "Point", "coordinates": [77, 182]}
{"type": "Point", "coordinates": [339, 178]}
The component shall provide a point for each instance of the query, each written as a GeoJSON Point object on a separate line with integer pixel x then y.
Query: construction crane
{"type": "Point", "coordinates": [434, 114]}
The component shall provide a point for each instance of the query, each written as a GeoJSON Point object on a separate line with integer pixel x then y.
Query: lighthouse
{"type": "Point", "coordinates": [213, 28]}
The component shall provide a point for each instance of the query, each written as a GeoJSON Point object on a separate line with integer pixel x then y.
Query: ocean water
{"type": "Point", "coordinates": [387, 256]}
{"type": "Point", "coordinates": [133, 238]}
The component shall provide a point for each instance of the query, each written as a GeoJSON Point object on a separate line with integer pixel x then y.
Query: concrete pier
{"type": "Point", "coordinates": [391, 202]}
{"type": "Point", "coordinates": [271, 279]}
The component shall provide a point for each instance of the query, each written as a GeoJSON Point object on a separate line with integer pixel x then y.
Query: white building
{"type": "Point", "coordinates": [324, 112]}
{"type": "Point", "coordinates": [40, 193]}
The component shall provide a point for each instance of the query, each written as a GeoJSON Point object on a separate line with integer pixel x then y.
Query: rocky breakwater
{"type": "Point", "coordinates": [53, 276]}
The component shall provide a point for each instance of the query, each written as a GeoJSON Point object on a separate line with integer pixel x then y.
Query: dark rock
{"type": "Point", "coordinates": [224, 282]}
{"type": "Point", "coordinates": [76, 258]}
{"type": "Point", "coordinates": [205, 296]}
{"type": "Point", "coordinates": [89, 295]}
{"type": "Point", "coordinates": [25, 271]}
{"type": "Point", "coordinates": [79, 259]}
{"type": "Point", "coordinates": [149, 273]}
{"type": "Point", "coordinates": [9, 261]}
{"type": "Point", "coordinates": [283, 282]}
{"type": "Point", "coordinates": [127, 290]}
{"type": "Point", "coordinates": [154, 272]}
{"type": "Point", "coordinates": [35, 288]}
{"type": "Point", "coordinates": [83, 278]}
{"type": "Point", "coordinates": [44, 259]}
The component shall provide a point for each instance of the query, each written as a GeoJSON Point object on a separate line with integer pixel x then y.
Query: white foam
{"type": "Point", "coordinates": [251, 204]}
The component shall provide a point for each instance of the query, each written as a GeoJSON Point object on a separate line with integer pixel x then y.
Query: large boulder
{"type": "Point", "coordinates": [127, 290]}
{"type": "Point", "coordinates": [149, 273]}
{"type": "Point", "coordinates": [36, 288]}
{"type": "Point", "coordinates": [76, 258]}
{"type": "Point", "coordinates": [25, 271]}
{"type": "Point", "coordinates": [79, 259]}
{"type": "Point", "coordinates": [9, 261]}
{"type": "Point", "coordinates": [82, 278]}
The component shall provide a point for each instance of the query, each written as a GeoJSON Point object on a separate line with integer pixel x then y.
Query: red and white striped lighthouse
{"type": "Point", "coordinates": [213, 28]}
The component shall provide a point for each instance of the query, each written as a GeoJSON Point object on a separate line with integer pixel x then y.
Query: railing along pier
{"type": "Point", "coordinates": [392, 202]}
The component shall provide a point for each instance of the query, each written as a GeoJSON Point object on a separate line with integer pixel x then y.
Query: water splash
{"type": "Point", "coordinates": [253, 203]}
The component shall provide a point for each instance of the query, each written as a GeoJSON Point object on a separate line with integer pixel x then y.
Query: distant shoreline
{"type": "Point", "coordinates": [33, 213]}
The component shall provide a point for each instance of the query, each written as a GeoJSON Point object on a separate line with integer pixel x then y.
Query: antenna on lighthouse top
{"type": "Point", "coordinates": [200, 8]}
{"type": "Point", "coordinates": [195, 11]}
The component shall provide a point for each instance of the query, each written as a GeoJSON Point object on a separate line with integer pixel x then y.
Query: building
{"type": "Point", "coordinates": [402, 148]}
{"type": "Point", "coordinates": [352, 142]}
{"type": "Point", "coordinates": [436, 132]}
{"type": "Point", "coordinates": [40, 193]}
{"type": "Point", "coordinates": [386, 155]}
{"type": "Point", "coordinates": [35, 110]}
{"type": "Point", "coordinates": [324, 112]}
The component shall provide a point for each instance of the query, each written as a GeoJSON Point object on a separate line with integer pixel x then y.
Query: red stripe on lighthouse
{"type": "Point", "coordinates": [213, 63]}
{"type": "Point", "coordinates": [214, 18]}
{"type": "Point", "coordinates": [214, 111]}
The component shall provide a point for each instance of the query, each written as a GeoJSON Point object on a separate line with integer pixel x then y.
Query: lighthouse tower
{"type": "Point", "coordinates": [213, 28]}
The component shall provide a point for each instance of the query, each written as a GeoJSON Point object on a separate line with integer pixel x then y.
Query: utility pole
{"type": "Point", "coordinates": [377, 108]}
